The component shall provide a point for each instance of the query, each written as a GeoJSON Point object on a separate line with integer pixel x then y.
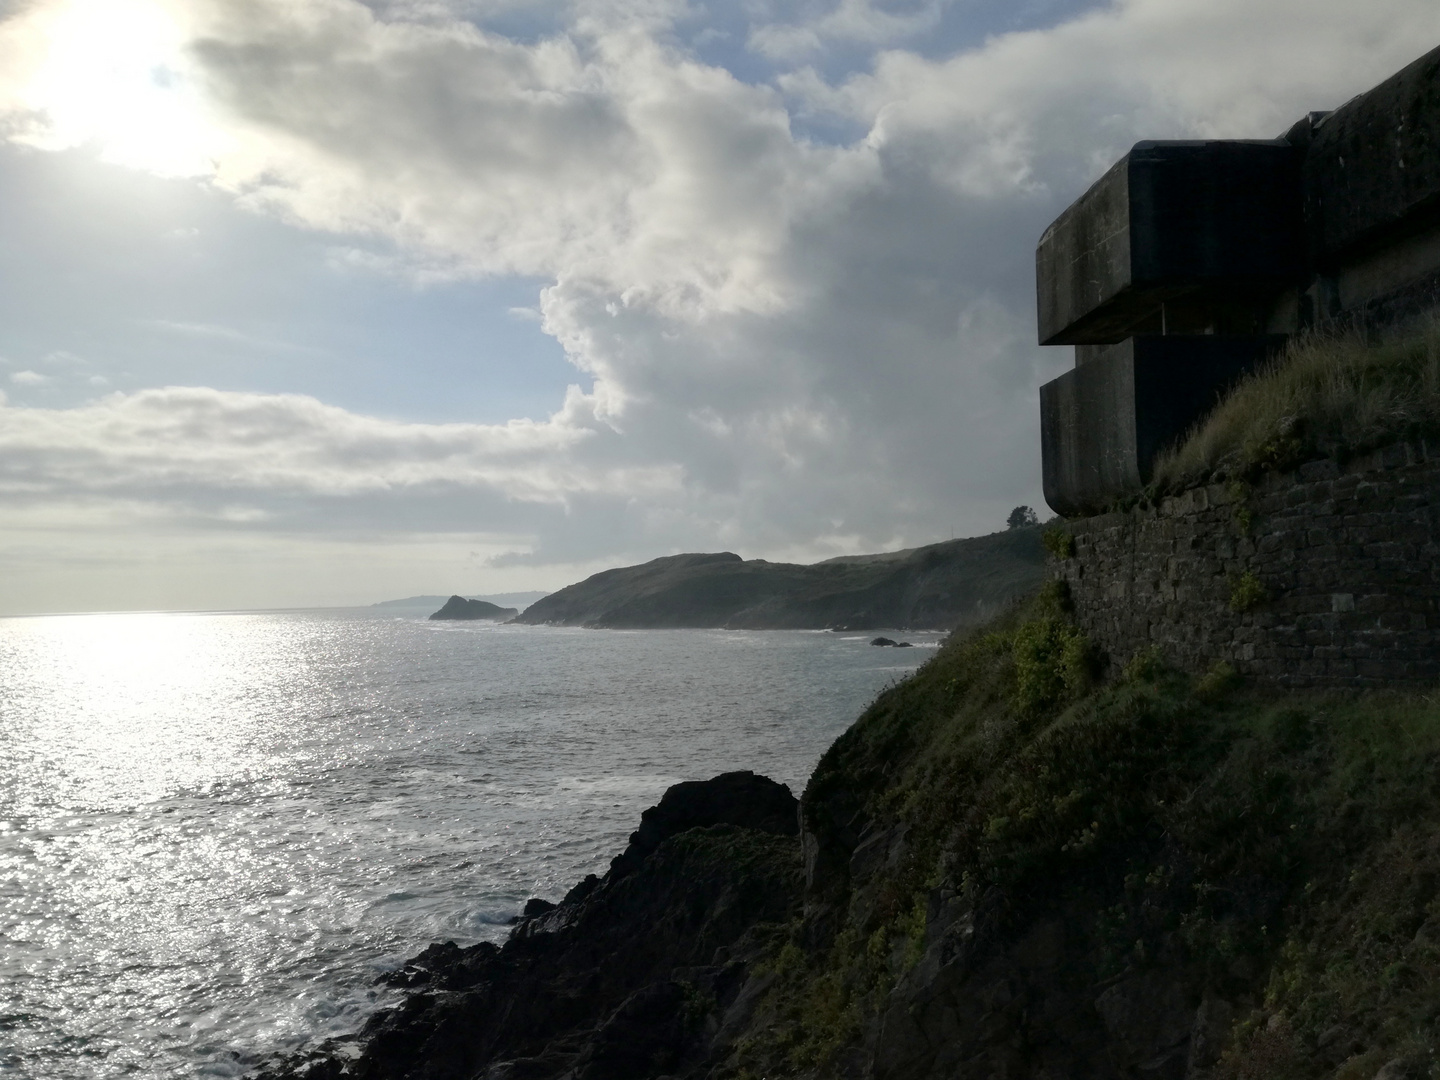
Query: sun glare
{"type": "Point", "coordinates": [114, 75]}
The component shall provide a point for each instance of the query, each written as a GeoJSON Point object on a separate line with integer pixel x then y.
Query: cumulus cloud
{"type": "Point", "coordinates": [789, 346]}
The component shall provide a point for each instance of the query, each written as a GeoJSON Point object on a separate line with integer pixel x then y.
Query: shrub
{"type": "Point", "coordinates": [1146, 665]}
{"type": "Point", "coordinates": [1246, 592]}
{"type": "Point", "coordinates": [1058, 543]}
{"type": "Point", "coordinates": [1053, 663]}
{"type": "Point", "coordinates": [1219, 680]}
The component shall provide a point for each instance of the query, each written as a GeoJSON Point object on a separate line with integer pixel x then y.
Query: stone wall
{"type": "Point", "coordinates": [1346, 560]}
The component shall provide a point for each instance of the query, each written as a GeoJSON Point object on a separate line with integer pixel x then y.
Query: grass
{"type": "Point", "coordinates": [1322, 397]}
{"type": "Point", "coordinates": [1285, 847]}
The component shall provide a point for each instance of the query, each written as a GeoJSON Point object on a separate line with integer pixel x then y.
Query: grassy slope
{"type": "Point", "coordinates": [1323, 397]}
{"type": "Point", "coordinates": [1281, 851]}
{"type": "Point", "coordinates": [1278, 851]}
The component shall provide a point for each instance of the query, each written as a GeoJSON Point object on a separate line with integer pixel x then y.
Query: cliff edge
{"type": "Point", "coordinates": [1015, 863]}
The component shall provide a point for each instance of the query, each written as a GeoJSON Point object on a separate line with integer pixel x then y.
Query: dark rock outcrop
{"type": "Point", "coordinates": [735, 798]}
{"type": "Point", "coordinates": [457, 607]}
{"type": "Point", "coordinates": [634, 975]}
{"type": "Point", "coordinates": [940, 586]}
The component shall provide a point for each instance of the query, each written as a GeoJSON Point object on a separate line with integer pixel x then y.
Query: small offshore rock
{"type": "Point", "coordinates": [883, 642]}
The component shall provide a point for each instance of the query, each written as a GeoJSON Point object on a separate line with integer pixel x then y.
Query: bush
{"type": "Point", "coordinates": [1246, 592]}
{"type": "Point", "coordinates": [1058, 543]}
{"type": "Point", "coordinates": [1053, 664]}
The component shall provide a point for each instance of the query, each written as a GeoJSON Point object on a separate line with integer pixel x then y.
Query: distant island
{"type": "Point", "coordinates": [457, 607]}
{"type": "Point", "coordinates": [939, 586]}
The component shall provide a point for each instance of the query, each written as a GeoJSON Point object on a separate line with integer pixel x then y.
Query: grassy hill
{"type": "Point", "coordinates": [1012, 871]}
{"type": "Point", "coordinates": [1009, 869]}
{"type": "Point", "coordinates": [940, 586]}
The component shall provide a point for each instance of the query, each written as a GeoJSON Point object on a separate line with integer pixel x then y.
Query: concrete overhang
{"type": "Point", "coordinates": [1213, 222]}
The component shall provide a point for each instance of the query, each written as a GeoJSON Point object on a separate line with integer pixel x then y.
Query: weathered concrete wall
{"type": "Point", "coordinates": [1103, 424]}
{"type": "Point", "coordinates": [1211, 223]}
{"type": "Point", "coordinates": [1372, 168]}
{"type": "Point", "coordinates": [1349, 561]}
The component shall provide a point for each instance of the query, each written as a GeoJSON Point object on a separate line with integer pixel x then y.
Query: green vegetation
{"type": "Point", "coordinates": [1281, 851]}
{"type": "Point", "coordinates": [1058, 542]}
{"type": "Point", "coordinates": [1323, 397]}
{"type": "Point", "coordinates": [1246, 592]}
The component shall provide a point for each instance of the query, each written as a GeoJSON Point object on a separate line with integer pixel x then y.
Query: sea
{"type": "Point", "coordinates": [217, 830]}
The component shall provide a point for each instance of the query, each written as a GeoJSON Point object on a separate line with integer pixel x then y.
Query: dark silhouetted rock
{"type": "Point", "coordinates": [457, 607]}
{"type": "Point", "coordinates": [633, 976]}
{"type": "Point", "coordinates": [735, 798]}
{"type": "Point", "coordinates": [883, 642]}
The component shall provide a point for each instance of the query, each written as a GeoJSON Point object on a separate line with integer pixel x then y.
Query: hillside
{"type": "Point", "coordinates": [940, 586]}
{"type": "Point", "coordinates": [1004, 870]}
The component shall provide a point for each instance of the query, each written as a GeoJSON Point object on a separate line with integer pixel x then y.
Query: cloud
{"type": "Point", "coordinates": [850, 21]}
{"type": "Point", "coordinates": [184, 440]}
{"type": "Point", "coordinates": [789, 346]}
{"type": "Point", "coordinates": [29, 378]}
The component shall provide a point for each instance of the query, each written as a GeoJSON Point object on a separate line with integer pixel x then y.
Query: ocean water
{"type": "Point", "coordinates": [216, 830]}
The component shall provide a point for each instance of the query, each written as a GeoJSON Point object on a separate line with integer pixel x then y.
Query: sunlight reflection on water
{"type": "Point", "coordinates": [215, 830]}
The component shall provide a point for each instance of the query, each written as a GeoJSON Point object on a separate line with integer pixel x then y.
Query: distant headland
{"type": "Point", "coordinates": [939, 586]}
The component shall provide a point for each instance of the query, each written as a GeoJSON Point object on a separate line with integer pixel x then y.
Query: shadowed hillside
{"type": "Point", "coordinates": [1004, 869]}
{"type": "Point", "coordinates": [939, 586]}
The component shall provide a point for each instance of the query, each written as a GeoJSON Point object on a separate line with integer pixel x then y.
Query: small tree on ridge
{"type": "Point", "coordinates": [1022, 516]}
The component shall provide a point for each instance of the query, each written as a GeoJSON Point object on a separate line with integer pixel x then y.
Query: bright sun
{"type": "Point", "coordinates": [111, 74]}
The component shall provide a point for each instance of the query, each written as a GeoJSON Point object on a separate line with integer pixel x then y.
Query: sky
{"type": "Point", "coordinates": [309, 302]}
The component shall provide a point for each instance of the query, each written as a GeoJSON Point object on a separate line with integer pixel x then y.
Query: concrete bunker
{"type": "Point", "coordinates": [1189, 264]}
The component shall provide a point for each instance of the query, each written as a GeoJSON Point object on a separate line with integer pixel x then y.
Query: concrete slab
{"type": "Point", "coordinates": [1213, 229]}
{"type": "Point", "coordinates": [1103, 424]}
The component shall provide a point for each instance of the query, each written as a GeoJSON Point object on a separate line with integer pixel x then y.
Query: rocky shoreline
{"type": "Point", "coordinates": [1015, 864]}
{"type": "Point", "coordinates": [646, 971]}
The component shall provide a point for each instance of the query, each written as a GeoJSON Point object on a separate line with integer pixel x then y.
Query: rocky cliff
{"type": "Point", "coordinates": [1016, 863]}
{"type": "Point", "coordinates": [940, 586]}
